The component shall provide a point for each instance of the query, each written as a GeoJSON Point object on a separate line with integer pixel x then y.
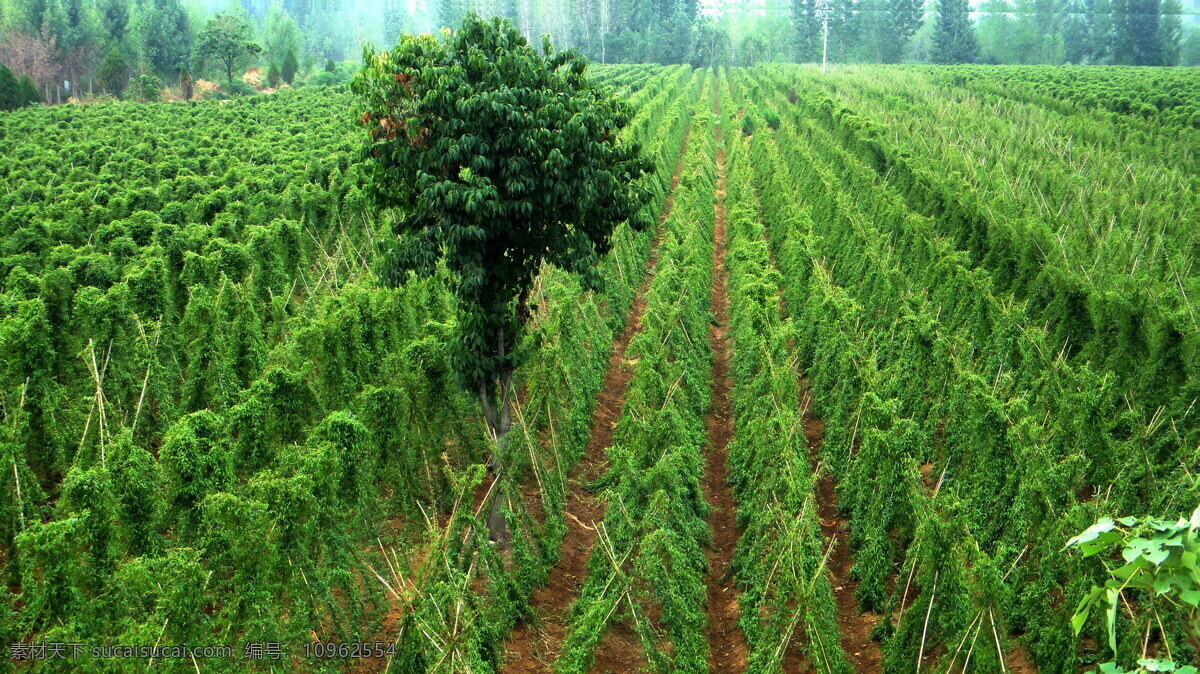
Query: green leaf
{"type": "Point", "coordinates": [1085, 607]}
{"type": "Point", "coordinates": [1078, 620]}
{"type": "Point", "coordinates": [1190, 597]}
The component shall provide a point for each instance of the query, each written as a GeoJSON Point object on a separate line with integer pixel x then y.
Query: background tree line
{"type": "Point", "coordinates": [137, 47]}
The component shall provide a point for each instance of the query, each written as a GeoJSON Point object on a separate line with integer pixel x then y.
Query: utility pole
{"type": "Point", "coordinates": [823, 10]}
{"type": "Point", "coordinates": [603, 28]}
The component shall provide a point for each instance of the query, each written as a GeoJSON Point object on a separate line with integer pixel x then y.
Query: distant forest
{"type": "Point", "coordinates": [54, 49]}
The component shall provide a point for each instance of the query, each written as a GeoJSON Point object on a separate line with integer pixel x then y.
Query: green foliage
{"type": "Point", "coordinates": [939, 347]}
{"type": "Point", "coordinates": [288, 66]}
{"type": "Point", "coordinates": [167, 36]}
{"type": "Point", "coordinates": [195, 463]}
{"type": "Point", "coordinates": [216, 425]}
{"type": "Point", "coordinates": [14, 92]}
{"type": "Point", "coordinates": [238, 89]}
{"type": "Point", "coordinates": [656, 518]}
{"type": "Point", "coordinates": [113, 73]}
{"type": "Point", "coordinates": [954, 37]}
{"type": "Point", "coordinates": [1159, 568]}
{"type": "Point", "coordinates": [781, 558]}
{"type": "Point", "coordinates": [146, 88]}
{"type": "Point", "coordinates": [227, 37]}
{"type": "Point", "coordinates": [280, 35]}
{"type": "Point", "coordinates": [549, 188]}
{"type": "Point", "coordinates": [182, 274]}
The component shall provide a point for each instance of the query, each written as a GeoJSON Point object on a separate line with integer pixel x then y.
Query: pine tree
{"type": "Point", "coordinates": [1076, 33]}
{"type": "Point", "coordinates": [954, 35]}
{"type": "Point", "coordinates": [902, 18]}
{"type": "Point", "coordinates": [806, 31]}
{"type": "Point", "coordinates": [1100, 30]}
{"type": "Point", "coordinates": [1170, 33]}
{"type": "Point", "coordinates": [1190, 52]}
{"type": "Point", "coordinates": [9, 89]}
{"type": "Point", "coordinates": [288, 68]}
{"type": "Point", "coordinates": [28, 91]}
{"type": "Point", "coordinates": [1135, 32]}
{"type": "Point", "coordinates": [114, 72]}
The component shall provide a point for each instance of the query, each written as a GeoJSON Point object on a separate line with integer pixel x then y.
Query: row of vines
{"type": "Point", "coordinates": [782, 561]}
{"type": "Point", "coordinates": [216, 427]}
{"type": "Point", "coordinates": [982, 403]}
{"type": "Point", "coordinates": [647, 569]}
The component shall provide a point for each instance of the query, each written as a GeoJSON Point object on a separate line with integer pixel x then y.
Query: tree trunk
{"type": "Point", "coordinates": [499, 420]}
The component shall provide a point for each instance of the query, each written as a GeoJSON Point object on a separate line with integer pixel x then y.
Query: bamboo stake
{"type": "Point", "coordinates": [904, 597]}
{"type": "Point", "coordinates": [999, 651]}
{"type": "Point", "coordinates": [962, 643]}
{"type": "Point", "coordinates": [20, 500]}
{"type": "Point", "coordinates": [99, 396]}
{"type": "Point", "coordinates": [925, 629]}
{"type": "Point", "coordinates": [156, 642]}
{"type": "Point", "coordinates": [972, 648]}
{"type": "Point", "coordinates": [395, 575]}
{"type": "Point", "coordinates": [137, 412]}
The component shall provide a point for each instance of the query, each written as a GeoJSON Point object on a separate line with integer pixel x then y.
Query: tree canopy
{"type": "Point", "coordinates": [228, 37]}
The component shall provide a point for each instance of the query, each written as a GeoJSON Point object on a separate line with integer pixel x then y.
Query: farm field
{"type": "Point", "coordinates": [889, 339]}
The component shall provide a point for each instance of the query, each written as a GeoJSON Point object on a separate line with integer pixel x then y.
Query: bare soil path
{"type": "Point", "coordinates": [727, 644]}
{"type": "Point", "coordinates": [534, 644]}
{"type": "Point", "coordinates": [854, 625]}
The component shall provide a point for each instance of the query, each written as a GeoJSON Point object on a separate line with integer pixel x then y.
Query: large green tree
{"type": "Point", "coordinates": [166, 35]}
{"type": "Point", "coordinates": [806, 25]}
{"type": "Point", "coordinates": [1170, 33]}
{"type": "Point", "coordinates": [898, 21]}
{"type": "Point", "coordinates": [279, 34]}
{"type": "Point", "coordinates": [113, 72]}
{"type": "Point", "coordinates": [500, 159]}
{"type": "Point", "coordinates": [954, 35]}
{"type": "Point", "coordinates": [228, 37]}
{"type": "Point", "coordinates": [1190, 51]}
{"type": "Point", "coordinates": [1135, 29]}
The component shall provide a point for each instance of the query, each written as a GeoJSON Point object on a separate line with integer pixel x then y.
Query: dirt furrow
{"type": "Point", "coordinates": [534, 644]}
{"type": "Point", "coordinates": [854, 625]}
{"type": "Point", "coordinates": [727, 644]}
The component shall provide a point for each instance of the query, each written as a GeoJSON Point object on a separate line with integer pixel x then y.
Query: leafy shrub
{"type": "Point", "coordinates": [238, 89]}
{"type": "Point", "coordinates": [14, 92]}
{"type": "Point", "coordinates": [146, 88]}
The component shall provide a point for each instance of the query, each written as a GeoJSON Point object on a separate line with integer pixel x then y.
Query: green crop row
{"type": "Point", "coordinates": [1130, 317]}
{"type": "Point", "coordinates": [1163, 96]}
{"type": "Point", "coordinates": [966, 447]}
{"type": "Point", "coordinates": [648, 560]}
{"type": "Point", "coordinates": [781, 560]}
